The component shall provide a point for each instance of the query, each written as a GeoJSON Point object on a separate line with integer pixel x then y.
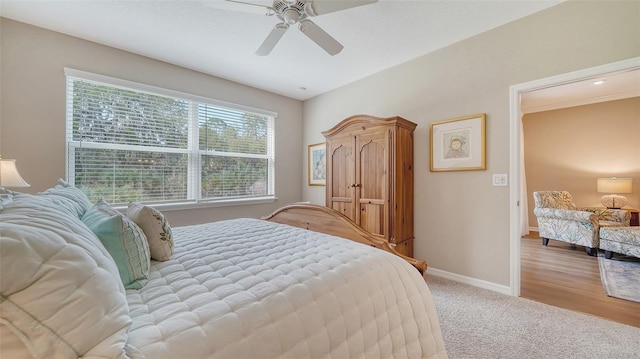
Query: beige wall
{"type": "Point", "coordinates": [568, 149]}
{"type": "Point", "coordinates": [462, 222]}
{"type": "Point", "coordinates": [32, 108]}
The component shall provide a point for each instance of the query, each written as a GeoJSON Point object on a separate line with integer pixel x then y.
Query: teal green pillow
{"type": "Point", "coordinates": [124, 240]}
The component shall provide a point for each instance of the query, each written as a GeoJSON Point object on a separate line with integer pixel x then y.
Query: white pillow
{"type": "Point", "coordinates": [156, 227]}
{"type": "Point", "coordinates": [6, 197]}
{"type": "Point", "coordinates": [62, 295]}
{"type": "Point", "coordinates": [68, 197]}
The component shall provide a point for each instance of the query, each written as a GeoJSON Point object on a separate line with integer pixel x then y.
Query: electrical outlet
{"type": "Point", "coordinates": [500, 180]}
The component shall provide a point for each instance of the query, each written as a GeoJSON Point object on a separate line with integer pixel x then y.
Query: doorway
{"type": "Point", "coordinates": [517, 195]}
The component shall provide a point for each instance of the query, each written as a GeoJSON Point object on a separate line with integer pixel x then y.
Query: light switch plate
{"type": "Point", "coordinates": [500, 179]}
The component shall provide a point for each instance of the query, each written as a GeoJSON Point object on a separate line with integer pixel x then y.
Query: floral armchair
{"type": "Point", "coordinates": [560, 219]}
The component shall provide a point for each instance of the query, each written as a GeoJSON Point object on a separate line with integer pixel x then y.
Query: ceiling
{"type": "Point", "coordinates": [607, 87]}
{"type": "Point", "coordinates": [203, 36]}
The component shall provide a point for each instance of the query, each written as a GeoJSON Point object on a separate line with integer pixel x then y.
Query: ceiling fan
{"type": "Point", "coordinates": [292, 12]}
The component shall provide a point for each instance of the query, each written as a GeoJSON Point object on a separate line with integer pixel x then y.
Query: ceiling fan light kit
{"type": "Point", "coordinates": [292, 12]}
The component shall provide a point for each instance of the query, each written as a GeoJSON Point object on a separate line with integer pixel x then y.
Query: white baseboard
{"type": "Point", "coordinates": [470, 281]}
{"type": "Point", "coordinates": [473, 281]}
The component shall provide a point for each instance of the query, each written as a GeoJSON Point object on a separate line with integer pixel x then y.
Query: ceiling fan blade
{"type": "Point", "coordinates": [243, 6]}
{"type": "Point", "coordinates": [318, 7]}
{"type": "Point", "coordinates": [272, 39]}
{"type": "Point", "coordinates": [320, 37]}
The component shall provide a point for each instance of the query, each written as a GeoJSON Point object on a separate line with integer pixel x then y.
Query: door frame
{"type": "Point", "coordinates": [515, 125]}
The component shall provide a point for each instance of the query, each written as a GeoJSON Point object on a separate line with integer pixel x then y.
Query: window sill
{"type": "Point", "coordinates": [178, 206]}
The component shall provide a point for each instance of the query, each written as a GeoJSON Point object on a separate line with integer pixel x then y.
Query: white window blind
{"type": "Point", "coordinates": [132, 142]}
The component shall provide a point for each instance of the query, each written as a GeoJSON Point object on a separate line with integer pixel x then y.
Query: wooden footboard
{"type": "Point", "coordinates": [327, 220]}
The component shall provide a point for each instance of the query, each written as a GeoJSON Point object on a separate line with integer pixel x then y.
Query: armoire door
{"type": "Point", "coordinates": [341, 175]}
{"type": "Point", "coordinates": [372, 182]}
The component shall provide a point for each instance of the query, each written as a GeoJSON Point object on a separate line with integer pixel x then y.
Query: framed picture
{"type": "Point", "coordinates": [458, 144]}
{"type": "Point", "coordinates": [317, 165]}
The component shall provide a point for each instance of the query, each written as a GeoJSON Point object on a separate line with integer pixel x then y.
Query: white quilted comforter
{"type": "Point", "coordinates": [249, 288]}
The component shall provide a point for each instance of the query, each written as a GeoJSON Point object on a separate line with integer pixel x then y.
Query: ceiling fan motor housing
{"type": "Point", "coordinates": [291, 12]}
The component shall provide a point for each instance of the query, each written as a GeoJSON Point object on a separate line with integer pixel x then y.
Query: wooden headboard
{"type": "Point", "coordinates": [327, 220]}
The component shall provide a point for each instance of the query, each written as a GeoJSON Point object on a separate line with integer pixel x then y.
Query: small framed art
{"type": "Point", "coordinates": [458, 144]}
{"type": "Point", "coordinates": [317, 165]}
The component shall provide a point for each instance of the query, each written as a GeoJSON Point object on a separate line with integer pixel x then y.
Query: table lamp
{"type": "Point", "coordinates": [9, 175]}
{"type": "Point", "coordinates": [614, 186]}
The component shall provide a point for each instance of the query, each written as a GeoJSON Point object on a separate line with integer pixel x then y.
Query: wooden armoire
{"type": "Point", "coordinates": [370, 176]}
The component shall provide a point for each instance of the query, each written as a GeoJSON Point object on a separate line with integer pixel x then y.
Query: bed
{"type": "Point", "coordinates": [244, 288]}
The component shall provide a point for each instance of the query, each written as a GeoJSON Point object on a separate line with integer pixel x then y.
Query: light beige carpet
{"type": "Point", "coordinates": [479, 323]}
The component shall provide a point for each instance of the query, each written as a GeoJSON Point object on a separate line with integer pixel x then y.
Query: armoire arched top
{"type": "Point", "coordinates": [367, 121]}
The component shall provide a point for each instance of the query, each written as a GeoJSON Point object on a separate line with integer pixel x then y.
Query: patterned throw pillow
{"type": "Point", "coordinates": [124, 240]}
{"type": "Point", "coordinates": [156, 227]}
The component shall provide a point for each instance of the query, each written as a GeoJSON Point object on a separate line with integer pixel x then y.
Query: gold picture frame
{"type": "Point", "coordinates": [458, 144]}
{"type": "Point", "coordinates": [317, 164]}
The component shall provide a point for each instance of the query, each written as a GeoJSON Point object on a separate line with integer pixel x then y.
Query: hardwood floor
{"type": "Point", "coordinates": [564, 276]}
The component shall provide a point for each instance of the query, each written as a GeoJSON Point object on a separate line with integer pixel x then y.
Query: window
{"type": "Point", "coordinates": [131, 142]}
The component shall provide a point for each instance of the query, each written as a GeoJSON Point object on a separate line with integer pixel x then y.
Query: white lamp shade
{"type": "Point", "coordinates": [615, 185]}
{"type": "Point", "coordinates": [9, 175]}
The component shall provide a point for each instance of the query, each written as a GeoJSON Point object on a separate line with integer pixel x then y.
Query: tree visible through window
{"type": "Point", "coordinates": [126, 144]}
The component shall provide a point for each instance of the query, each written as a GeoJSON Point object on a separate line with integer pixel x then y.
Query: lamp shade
{"type": "Point", "coordinates": [9, 175]}
{"type": "Point", "coordinates": [615, 185]}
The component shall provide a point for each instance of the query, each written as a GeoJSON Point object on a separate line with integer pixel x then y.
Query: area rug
{"type": "Point", "coordinates": [620, 276]}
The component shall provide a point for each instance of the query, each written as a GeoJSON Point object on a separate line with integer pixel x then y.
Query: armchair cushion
{"type": "Point", "coordinates": [609, 215]}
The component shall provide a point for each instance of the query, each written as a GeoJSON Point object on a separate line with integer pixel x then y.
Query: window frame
{"type": "Point", "coordinates": [194, 153]}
